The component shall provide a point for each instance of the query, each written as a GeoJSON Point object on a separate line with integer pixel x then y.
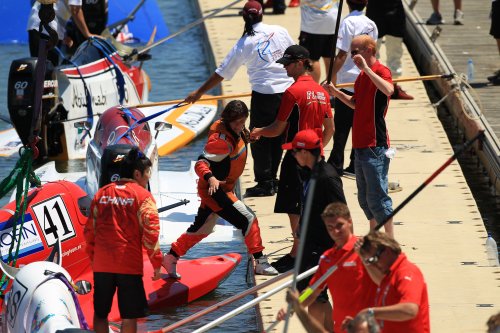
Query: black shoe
{"type": "Point", "coordinates": [284, 263]}
{"type": "Point", "coordinates": [275, 185]}
{"type": "Point", "coordinates": [349, 170]}
{"type": "Point", "coordinates": [495, 78]}
{"type": "Point", "coordinates": [263, 189]}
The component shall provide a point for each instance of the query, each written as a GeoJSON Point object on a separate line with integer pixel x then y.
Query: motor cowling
{"type": "Point", "coordinates": [111, 162]}
{"type": "Point", "coordinates": [21, 94]}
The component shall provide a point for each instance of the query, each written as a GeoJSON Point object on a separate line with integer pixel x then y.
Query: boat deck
{"type": "Point", "coordinates": [441, 229]}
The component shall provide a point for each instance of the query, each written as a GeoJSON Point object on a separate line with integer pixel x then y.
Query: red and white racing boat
{"type": "Point", "coordinates": [58, 212]}
{"type": "Point", "coordinates": [96, 78]}
{"type": "Point", "coordinates": [117, 130]}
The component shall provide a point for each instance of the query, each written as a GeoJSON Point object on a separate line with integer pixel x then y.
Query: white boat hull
{"type": "Point", "coordinates": [174, 186]}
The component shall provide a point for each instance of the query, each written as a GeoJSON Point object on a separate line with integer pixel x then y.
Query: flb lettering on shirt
{"type": "Point", "coordinates": [315, 95]}
{"type": "Point", "coordinates": [107, 200]}
{"type": "Point", "coordinates": [349, 264]}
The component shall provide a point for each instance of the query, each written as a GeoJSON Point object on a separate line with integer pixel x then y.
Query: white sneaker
{"type": "Point", "coordinates": [262, 267]}
{"type": "Point", "coordinates": [170, 265]}
{"type": "Point", "coordinates": [458, 17]}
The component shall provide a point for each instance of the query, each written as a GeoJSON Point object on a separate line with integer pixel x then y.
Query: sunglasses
{"type": "Point", "coordinates": [295, 151]}
{"type": "Point", "coordinates": [357, 51]}
{"type": "Point", "coordinates": [292, 62]}
{"type": "Point", "coordinates": [374, 259]}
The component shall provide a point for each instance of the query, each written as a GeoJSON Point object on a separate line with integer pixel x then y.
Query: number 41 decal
{"type": "Point", "coordinates": [53, 218]}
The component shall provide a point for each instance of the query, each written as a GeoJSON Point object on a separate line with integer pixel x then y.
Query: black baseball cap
{"type": "Point", "coordinates": [292, 54]}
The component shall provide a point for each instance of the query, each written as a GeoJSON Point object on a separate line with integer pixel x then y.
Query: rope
{"type": "Point", "coordinates": [140, 121]}
{"type": "Point", "coordinates": [463, 84]}
{"type": "Point", "coordinates": [20, 177]}
{"type": "Point", "coordinates": [107, 51]}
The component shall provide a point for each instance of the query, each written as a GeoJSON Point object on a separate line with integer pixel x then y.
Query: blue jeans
{"type": "Point", "coordinates": [371, 167]}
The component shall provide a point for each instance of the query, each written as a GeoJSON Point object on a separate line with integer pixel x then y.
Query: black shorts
{"type": "Point", "coordinates": [132, 301]}
{"type": "Point", "coordinates": [317, 45]}
{"type": "Point", "coordinates": [390, 20]}
{"type": "Point", "coordinates": [311, 259]}
{"type": "Point", "coordinates": [289, 187]}
{"type": "Point", "coordinates": [495, 19]}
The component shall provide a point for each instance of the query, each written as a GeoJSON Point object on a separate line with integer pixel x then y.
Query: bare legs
{"type": "Point", "coordinates": [388, 227]}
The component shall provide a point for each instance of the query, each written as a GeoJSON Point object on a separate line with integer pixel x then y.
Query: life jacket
{"type": "Point", "coordinates": [224, 157]}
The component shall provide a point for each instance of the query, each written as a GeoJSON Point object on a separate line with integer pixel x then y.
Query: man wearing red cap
{"type": "Point", "coordinates": [370, 138]}
{"type": "Point", "coordinates": [258, 49]}
{"type": "Point", "coordinates": [307, 149]}
{"type": "Point", "coordinates": [305, 105]}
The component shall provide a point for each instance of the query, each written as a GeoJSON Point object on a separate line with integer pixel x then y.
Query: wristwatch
{"type": "Point", "coordinates": [371, 312]}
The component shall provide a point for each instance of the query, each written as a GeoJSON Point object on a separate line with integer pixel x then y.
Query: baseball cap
{"type": "Point", "coordinates": [252, 7]}
{"type": "Point", "coordinates": [305, 139]}
{"type": "Point", "coordinates": [293, 53]}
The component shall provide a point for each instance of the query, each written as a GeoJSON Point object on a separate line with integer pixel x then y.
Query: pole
{"type": "Point", "coordinates": [253, 302]}
{"type": "Point", "coordinates": [308, 291]}
{"type": "Point", "coordinates": [303, 232]}
{"type": "Point", "coordinates": [225, 302]}
{"type": "Point", "coordinates": [459, 151]}
{"type": "Point", "coordinates": [407, 79]}
{"type": "Point", "coordinates": [342, 85]}
{"type": "Point", "coordinates": [334, 45]}
{"type": "Point", "coordinates": [177, 204]}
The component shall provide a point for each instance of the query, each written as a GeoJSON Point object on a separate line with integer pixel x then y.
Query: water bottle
{"type": "Point", "coordinates": [470, 70]}
{"type": "Point", "coordinates": [492, 251]}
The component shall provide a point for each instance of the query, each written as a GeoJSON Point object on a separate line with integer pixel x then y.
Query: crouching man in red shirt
{"type": "Point", "coordinates": [123, 220]}
{"type": "Point", "coordinates": [401, 302]}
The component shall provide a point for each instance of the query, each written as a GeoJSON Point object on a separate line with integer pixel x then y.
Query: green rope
{"type": "Point", "coordinates": [20, 177]}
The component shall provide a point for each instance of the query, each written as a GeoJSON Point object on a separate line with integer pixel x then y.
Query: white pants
{"type": "Point", "coordinates": [394, 51]}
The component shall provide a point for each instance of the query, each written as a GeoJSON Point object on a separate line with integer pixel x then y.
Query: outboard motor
{"type": "Point", "coordinates": [111, 161]}
{"type": "Point", "coordinates": [21, 98]}
{"type": "Point", "coordinates": [106, 168]}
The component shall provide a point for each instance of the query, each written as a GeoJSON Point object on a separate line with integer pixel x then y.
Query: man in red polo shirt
{"type": "Point", "coordinates": [304, 105]}
{"type": "Point", "coordinates": [401, 300]}
{"type": "Point", "coordinates": [350, 286]}
{"type": "Point", "coordinates": [370, 137]}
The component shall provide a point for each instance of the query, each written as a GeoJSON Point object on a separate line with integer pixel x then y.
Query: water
{"type": "Point", "coordinates": [177, 68]}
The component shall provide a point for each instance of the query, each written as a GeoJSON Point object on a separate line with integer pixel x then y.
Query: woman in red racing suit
{"type": "Point", "coordinates": [219, 167]}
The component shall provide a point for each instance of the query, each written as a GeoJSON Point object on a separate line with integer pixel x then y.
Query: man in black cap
{"type": "Point", "coordinates": [258, 49]}
{"type": "Point", "coordinates": [305, 105]}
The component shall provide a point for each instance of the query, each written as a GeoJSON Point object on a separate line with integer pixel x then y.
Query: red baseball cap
{"type": "Point", "coordinates": [252, 7]}
{"type": "Point", "coordinates": [305, 139]}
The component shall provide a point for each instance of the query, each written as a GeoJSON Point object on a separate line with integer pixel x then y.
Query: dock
{"type": "Point", "coordinates": [441, 229]}
{"type": "Point", "coordinates": [446, 49]}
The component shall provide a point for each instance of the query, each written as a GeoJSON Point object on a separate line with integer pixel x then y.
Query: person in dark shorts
{"type": "Point", "coordinates": [219, 167]}
{"type": "Point", "coordinates": [305, 105]}
{"type": "Point", "coordinates": [258, 49]}
{"type": "Point", "coordinates": [306, 149]}
{"type": "Point", "coordinates": [317, 32]}
{"type": "Point", "coordinates": [495, 32]}
{"type": "Point", "coordinates": [123, 221]}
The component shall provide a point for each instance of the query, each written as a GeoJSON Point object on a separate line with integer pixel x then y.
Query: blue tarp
{"type": "Point", "coordinates": [14, 18]}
